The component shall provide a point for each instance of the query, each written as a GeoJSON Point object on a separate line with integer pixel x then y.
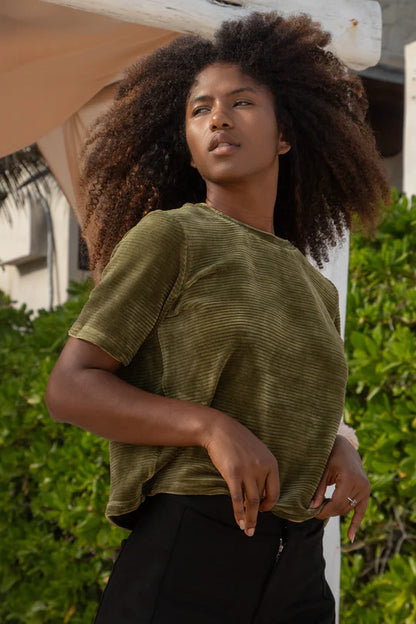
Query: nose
{"type": "Point", "coordinates": [220, 118]}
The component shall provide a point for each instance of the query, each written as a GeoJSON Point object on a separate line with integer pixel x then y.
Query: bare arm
{"type": "Point", "coordinates": [84, 390]}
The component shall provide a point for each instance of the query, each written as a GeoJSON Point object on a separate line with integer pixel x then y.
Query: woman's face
{"type": "Point", "coordinates": [231, 126]}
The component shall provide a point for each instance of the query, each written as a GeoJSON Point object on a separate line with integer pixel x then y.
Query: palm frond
{"type": "Point", "coordinates": [23, 174]}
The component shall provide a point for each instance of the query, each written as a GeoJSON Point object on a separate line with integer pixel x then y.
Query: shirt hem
{"type": "Point", "coordinates": [117, 509]}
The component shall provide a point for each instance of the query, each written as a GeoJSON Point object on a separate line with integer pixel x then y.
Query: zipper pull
{"type": "Point", "coordinates": [281, 547]}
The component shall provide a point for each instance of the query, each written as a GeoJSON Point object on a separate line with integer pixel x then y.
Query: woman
{"type": "Point", "coordinates": [209, 354]}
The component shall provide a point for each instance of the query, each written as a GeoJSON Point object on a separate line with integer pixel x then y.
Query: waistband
{"type": "Point", "coordinates": [219, 507]}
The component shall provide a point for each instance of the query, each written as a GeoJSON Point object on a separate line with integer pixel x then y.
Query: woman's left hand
{"type": "Point", "coordinates": [352, 488]}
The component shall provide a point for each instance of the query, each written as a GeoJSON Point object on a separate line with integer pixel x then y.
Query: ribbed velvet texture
{"type": "Point", "coordinates": [201, 307]}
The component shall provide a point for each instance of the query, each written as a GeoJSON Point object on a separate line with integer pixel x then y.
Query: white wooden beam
{"type": "Point", "coordinates": [355, 25]}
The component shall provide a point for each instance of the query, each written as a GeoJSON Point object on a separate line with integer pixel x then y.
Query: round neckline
{"type": "Point", "coordinates": [262, 233]}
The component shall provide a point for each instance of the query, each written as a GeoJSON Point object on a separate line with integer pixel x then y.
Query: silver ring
{"type": "Point", "coordinates": [352, 501]}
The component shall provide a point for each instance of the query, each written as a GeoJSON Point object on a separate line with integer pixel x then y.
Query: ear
{"type": "Point", "coordinates": [283, 146]}
{"type": "Point", "coordinates": [192, 164]}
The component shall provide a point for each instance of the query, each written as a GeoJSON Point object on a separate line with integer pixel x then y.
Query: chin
{"type": "Point", "coordinates": [223, 179]}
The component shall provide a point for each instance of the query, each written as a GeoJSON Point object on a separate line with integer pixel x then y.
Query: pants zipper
{"type": "Point", "coordinates": [282, 544]}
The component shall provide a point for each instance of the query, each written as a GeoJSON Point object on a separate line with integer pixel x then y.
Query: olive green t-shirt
{"type": "Point", "coordinates": [201, 307]}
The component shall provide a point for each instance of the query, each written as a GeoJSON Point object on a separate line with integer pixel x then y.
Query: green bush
{"type": "Point", "coordinates": [56, 548]}
{"type": "Point", "coordinates": [379, 569]}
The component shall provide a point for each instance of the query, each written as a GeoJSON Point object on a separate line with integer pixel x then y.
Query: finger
{"type": "Point", "coordinates": [319, 495]}
{"type": "Point", "coordinates": [334, 507]}
{"type": "Point", "coordinates": [326, 512]}
{"type": "Point", "coordinates": [359, 512]}
{"type": "Point", "coordinates": [251, 504]}
{"type": "Point", "coordinates": [237, 500]}
{"type": "Point", "coordinates": [339, 505]}
{"type": "Point", "coordinates": [271, 491]}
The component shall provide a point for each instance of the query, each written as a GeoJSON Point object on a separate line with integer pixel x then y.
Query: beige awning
{"type": "Point", "coordinates": [53, 60]}
{"type": "Point", "coordinates": [58, 70]}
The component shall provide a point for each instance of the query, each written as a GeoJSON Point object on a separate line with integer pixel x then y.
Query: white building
{"type": "Point", "coordinates": [39, 251]}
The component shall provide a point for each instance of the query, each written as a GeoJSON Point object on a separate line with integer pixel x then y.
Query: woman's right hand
{"type": "Point", "coordinates": [247, 466]}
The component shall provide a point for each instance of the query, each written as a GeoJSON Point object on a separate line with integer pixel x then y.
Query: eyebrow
{"type": "Point", "coordinates": [198, 98]}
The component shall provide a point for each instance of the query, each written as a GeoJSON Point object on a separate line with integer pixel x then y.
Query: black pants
{"type": "Point", "coordinates": [187, 562]}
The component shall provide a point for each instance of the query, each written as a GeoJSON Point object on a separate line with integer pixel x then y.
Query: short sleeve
{"type": "Point", "coordinates": [142, 277]}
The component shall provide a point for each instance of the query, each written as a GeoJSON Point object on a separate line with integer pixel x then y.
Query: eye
{"type": "Point", "coordinates": [199, 109]}
{"type": "Point", "coordinates": [243, 103]}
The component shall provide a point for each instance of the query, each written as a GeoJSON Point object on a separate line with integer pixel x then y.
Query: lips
{"type": "Point", "coordinates": [221, 139]}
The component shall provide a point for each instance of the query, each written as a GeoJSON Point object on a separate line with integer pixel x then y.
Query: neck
{"type": "Point", "coordinates": [250, 204]}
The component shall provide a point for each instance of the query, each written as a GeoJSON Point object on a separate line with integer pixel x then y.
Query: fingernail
{"type": "Point", "coordinates": [242, 525]}
{"type": "Point", "coordinates": [352, 539]}
{"type": "Point", "coordinates": [250, 532]}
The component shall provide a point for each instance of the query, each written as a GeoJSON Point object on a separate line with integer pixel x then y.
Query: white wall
{"type": "Point", "coordinates": [24, 272]}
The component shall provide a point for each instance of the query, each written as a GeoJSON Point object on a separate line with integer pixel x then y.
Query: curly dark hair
{"type": "Point", "coordinates": [137, 158]}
